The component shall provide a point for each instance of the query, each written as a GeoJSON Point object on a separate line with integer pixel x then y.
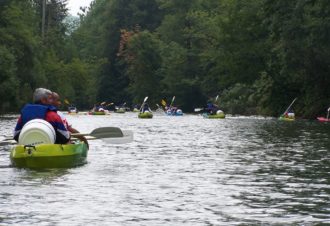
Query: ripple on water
{"type": "Point", "coordinates": [179, 171]}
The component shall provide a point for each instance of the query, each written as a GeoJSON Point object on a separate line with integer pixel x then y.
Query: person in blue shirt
{"type": "Point", "coordinates": [211, 108]}
{"type": "Point", "coordinates": [145, 108]}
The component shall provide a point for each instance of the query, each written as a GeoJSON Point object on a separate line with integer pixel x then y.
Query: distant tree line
{"type": "Point", "coordinates": [28, 61]}
{"type": "Point", "coordinates": [257, 55]}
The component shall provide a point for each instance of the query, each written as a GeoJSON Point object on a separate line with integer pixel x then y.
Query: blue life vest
{"type": "Point", "coordinates": [210, 106]}
{"type": "Point", "coordinates": [35, 111]}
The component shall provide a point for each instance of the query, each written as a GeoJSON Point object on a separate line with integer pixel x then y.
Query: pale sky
{"type": "Point", "coordinates": [74, 5]}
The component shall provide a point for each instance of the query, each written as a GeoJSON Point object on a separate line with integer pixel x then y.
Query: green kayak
{"type": "Point", "coordinates": [97, 113]}
{"type": "Point", "coordinates": [145, 115]}
{"type": "Point", "coordinates": [120, 110]}
{"type": "Point", "coordinates": [49, 155]}
{"type": "Point", "coordinates": [283, 118]}
{"type": "Point", "coordinates": [216, 116]}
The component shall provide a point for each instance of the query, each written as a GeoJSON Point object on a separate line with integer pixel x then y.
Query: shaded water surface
{"type": "Point", "coordinates": [179, 171]}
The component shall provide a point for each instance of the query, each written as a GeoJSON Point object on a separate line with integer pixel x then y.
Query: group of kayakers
{"type": "Point", "coordinates": [98, 108]}
{"type": "Point", "coordinates": [45, 106]}
{"type": "Point", "coordinates": [46, 103]}
{"type": "Point", "coordinates": [210, 108]}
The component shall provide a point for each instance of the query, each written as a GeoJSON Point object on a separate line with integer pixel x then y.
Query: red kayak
{"type": "Point", "coordinates": [322, 119]}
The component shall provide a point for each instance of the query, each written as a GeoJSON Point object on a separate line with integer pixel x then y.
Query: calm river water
{"type": "Point", "coordinates": [179, 171]}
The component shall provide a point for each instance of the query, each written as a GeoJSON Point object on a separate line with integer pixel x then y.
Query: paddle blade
{"type": "Point", "coordinates": [106, 132]}
{"type": "Point", "coordinates": [142, 105]}
{"type": "Point", "coordinates": [290, 106]}
{"type": "Point", "coordinates": [163, 102]}
{"type": "Point", "coordinates": [198, 109]}
{"type": "Point", "coordinates": [66, 101]}
{"type": "Point", "coordinates": [216, 98]}
{"type": "Point", "coordinates": [126, 138]}
{"type": "Point", "coordinates": [173, 99]}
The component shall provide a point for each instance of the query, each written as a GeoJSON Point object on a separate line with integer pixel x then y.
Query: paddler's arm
{"type": "Point", "coordinates": [82, 138]}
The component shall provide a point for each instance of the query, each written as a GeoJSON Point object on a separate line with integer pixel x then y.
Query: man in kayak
{"type": "Point", "coordinates": [145, 108]}
{"type": "Point", "coordinates": [211, 108]}
{"type": "Point", "coordinates": [289, 114]}
{"type": "Point", "coordinates": [57, 103]}
{"type": "Point", "coordinates": [42, 108]}
{"type": "Point", "coordinates": [173, 110]}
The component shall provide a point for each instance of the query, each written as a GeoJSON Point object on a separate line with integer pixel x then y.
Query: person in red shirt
{"type": "Point", "coordinates": [57, 103]}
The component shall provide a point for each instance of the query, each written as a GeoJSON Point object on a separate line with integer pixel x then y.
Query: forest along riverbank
{"type": "Point", "coordinates": [180, 170]}
{"type": "Point", "coordinates": [255, 55]}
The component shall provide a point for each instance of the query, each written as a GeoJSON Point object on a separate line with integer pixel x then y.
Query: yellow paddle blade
{"type": "Point", "coordinates": [66, 101]}
{"type": "Point", "coordinates": [163, 102]}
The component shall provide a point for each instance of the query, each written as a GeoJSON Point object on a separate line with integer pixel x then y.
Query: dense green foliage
{"type": "Point", "coordinates": [257, 55]}
{"type": "Point", "coordinates": [27, 61]}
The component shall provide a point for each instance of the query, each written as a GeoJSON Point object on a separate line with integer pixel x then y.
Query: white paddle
{"type": "Point", "coordinates": [172, 102]}
{"type": "Point", "coordinates": [289, 106]}
{"type": "Point", "coordinates": [112, 135]}
{"type": "Point", "coordinates": [144, 101]}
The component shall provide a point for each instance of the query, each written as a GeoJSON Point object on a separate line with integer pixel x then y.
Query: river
{"type": "Point", "coordinates": [179, 171]}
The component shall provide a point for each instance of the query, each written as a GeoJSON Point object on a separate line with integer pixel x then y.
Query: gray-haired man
{"type": "Point", "coordinates": [42, 108]}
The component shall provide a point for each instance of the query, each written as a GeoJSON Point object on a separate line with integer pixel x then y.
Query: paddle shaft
{"type": "Point", "coordinates": [289, 106]}
{"type": "Point", "coordinates": [198, 109]}
{"type": "Point", "coordinates": [328, 113]}
{"type": "Point", "coordinates": [102, 132]}
{"type": "Point", "coordinates": [108, 134]}
{"type": "Point", "coordinates": [160, 108]}
{"type": "Point", "coordinates": [73, 138]}
{"type": "Point", "coordinates": [172, 101]}
{"type": "Point", "coordinates": [142, 105]}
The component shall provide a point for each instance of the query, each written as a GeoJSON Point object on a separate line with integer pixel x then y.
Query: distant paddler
{"type": "Point", "coordinates": [322, 119]}
{"type": "Point", "coordinates": [145, 108]}
{"type": "Point", "coordinates": [171, 110]}
{"type": "Point", "coordinates": [121, 108]}
{"type": "Point", "coordinates": [288, 114]}
{"type": "Point", "coordinates": [136, 108]}
{"type": "Point", "coordinates": [100, 109]}
{"type": "Point", "coordinates": [145, 111]}
{"type": "Point", "coordinates": [71, 108]}
{"type": "Point", "coordinates": [212, 110]}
